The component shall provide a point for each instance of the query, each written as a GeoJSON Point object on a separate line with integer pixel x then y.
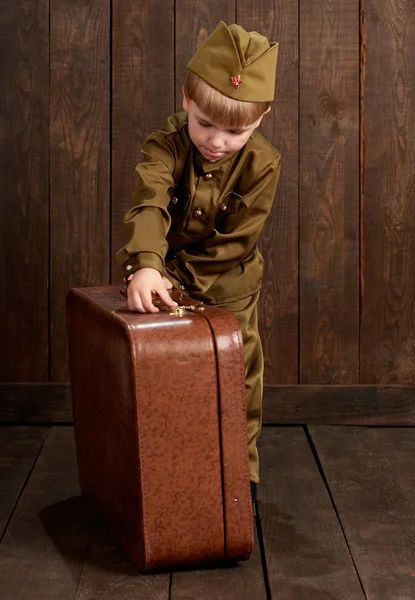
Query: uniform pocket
{"type": "Point", "coordinates": [229, 213]}
{"type": "Point", "coordinates": [230, 204]}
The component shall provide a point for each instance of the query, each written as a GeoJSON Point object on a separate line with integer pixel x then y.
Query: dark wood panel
{"type": "Point", "coordinates": [35, 403]}
{"type": "Point", "coordinates": [388, 315]}
{"type": "Point", "coordinates": [79, 158]}
{"type": "Point", "coordinates": [371, 476]}
{"type": "Point", "coordinates": [340, 404]}
{"type": "Point", "coordinates": [45, 542]}
{"type": "Point", "coordinates": [288, 404]}
{"type": "Point", "coordinates": [19, 447]}
{"type": "Point", "coordinates": [194, 22]}
{"type": "Point", "coordinates": [329, 192]}
{"type": "Point", "coordinates": [278, 308]}
{"type": "Point", "coordinates": [142, 95]}
{"type": "Point", "coordinates": [244, 581]}
{"type": "Point", "coordinates": [24, 168]}
{"type": "Point", "coordinates": [307, 556]}
{"type": "Point", "coordinates": [109, 575]}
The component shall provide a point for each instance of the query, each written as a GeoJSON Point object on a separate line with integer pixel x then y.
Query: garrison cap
{"type": "Point", "coordinates": [237, 63]}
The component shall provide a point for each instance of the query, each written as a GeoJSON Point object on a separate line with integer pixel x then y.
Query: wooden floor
{"type": "Point", "coordinates": [335, 520]}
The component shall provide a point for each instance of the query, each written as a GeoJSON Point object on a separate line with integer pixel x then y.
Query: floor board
{"type": "Point", "coordinates": [245, 581]}
{"type": "Point", "coordinates": [19, 447]}
{"type": "Point", "coordinates": [371, 474]}
{"type": "Point", "coordinates": [53, 549]}
{"type": "Point", "coordinates": [109, 575]}
{"type": "Point", "coordinates": [307, 556]}
{"type": "Point", "coordinates": [42, 552]}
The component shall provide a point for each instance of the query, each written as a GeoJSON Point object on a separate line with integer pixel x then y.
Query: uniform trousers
{"type": "Point", "coordinates": [246, 311]}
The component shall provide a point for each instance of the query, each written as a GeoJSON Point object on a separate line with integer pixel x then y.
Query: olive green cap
{"type": "Point", "coordinates": [237, 63]}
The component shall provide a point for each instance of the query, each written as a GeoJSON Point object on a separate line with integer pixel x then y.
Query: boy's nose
{"type": "Point", "coordinates": [216, 141]}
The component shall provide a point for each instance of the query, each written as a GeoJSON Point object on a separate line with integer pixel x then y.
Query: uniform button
{"type": "Point", "coordinates": [197, 213]}
{"type": "Point", "coordinates": [208, 176]}
{"type": "Point", "coordinates": [224, 207]}
{"type": "Point", "coordinates": [129, 268]}
{"type": "Point", "coordinates": [182, 287]}
{"type": "Point", "coordinates": [174, 200]}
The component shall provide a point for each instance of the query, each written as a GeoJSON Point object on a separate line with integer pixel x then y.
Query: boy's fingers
{"type": "Point", "coordinates": [148, 303]}
{"type": "Point", "coordinates": [134, 303]}
{"type": "Point", "coordinates": [165, 297]}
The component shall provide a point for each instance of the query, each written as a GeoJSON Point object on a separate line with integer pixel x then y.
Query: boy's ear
{"type": "Point", "coordinates": [185, 100]}
{"type": "Point", "coordinates": [262, 116]}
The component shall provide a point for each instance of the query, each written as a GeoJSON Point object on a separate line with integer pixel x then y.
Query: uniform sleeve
{"type": "Point", "coordinates": [148, 222]}
{"type": "Point", "coordinates": [225, 251]}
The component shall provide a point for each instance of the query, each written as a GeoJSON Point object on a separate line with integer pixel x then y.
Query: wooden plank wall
{"type": "Point", "coordinates": [329, 192]}
{"type": "Point", "coordinates": [79, 97]}
{"type": "Point", "coordinates": [388, 209]}
{"type": "Point", "coordinates": [24, 206]}
{"type": "Point", "coordinates": [79, 200]}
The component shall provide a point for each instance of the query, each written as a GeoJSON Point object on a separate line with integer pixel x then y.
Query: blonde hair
{"type": "Point", "coordinates": [221, 109]}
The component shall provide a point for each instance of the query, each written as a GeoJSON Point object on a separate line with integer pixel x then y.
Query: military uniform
{"type": "Point", "coordinates": [198, 222]}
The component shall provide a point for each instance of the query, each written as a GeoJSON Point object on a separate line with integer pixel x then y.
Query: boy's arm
{"type": "Point", "coordinates": [224, 251]}
{"type": "Point", "coordinates": [148, 221]}
{"type": "Point", "coordinates": [146, 226]}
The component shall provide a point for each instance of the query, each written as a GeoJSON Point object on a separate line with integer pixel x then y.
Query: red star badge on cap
{"type": "Point", "coordinates": [236, 81]}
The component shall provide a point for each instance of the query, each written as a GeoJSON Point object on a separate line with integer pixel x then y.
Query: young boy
{"type": "Point", "coordinates": [206, 187]}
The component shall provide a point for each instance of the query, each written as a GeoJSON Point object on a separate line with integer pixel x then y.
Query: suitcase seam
{"type": "Point", "coordinates": [235, 329]}
{"type": "Point", "coordinates": [220, 434]}
{"type": "Point", "coordinates": [238, 332]}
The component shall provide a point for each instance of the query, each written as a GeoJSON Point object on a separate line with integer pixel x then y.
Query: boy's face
{"type": "Point", "coordinates": [211, 139]}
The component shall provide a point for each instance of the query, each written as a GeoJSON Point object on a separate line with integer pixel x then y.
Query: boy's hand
{"type": "Point", "coordinates": [142, 284]}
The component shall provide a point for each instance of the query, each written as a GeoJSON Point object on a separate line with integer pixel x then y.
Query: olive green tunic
{"type": "Point", "coordinates": [198, 222]}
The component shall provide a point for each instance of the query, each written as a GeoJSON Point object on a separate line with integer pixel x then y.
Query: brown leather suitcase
{"type": "Point", "coordinates": [160, 427]}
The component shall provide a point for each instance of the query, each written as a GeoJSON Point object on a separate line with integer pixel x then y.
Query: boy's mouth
{"type": "Point", "coordinates": [212, 154]}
